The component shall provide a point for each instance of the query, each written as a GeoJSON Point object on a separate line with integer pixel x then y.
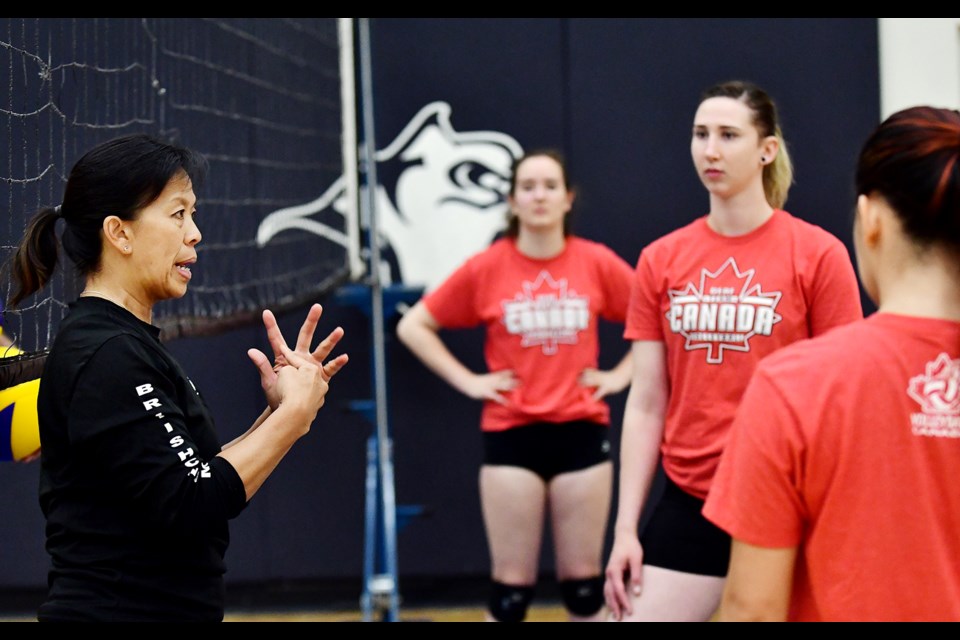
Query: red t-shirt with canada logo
{"type": "Point", "coordinates": [722, 303]}
{"type": "Point", "coordinates": [847, 447]}
{"type": "Point", "coordinates": [541, 319]}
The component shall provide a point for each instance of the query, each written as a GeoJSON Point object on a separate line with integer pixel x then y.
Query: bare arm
{"type": "Point", "coordinates": [642, 432]}
{"type": "Point", "coordinates": [263, 416]}
{"type": "Point", "coordinates": [418, 330]}
{"type": "Point", "coordinates": [758, 584]}
{"type": "Point", "coordinates": [639, 454]}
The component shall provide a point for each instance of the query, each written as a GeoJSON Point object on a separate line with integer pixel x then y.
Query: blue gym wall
{"type": "Point", "coordinates": [618, 96]}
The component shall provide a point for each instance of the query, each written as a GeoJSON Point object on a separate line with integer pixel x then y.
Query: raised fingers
{"type": "Point", "coordinates": [327, 344]}
{"type": "Point", "coordinates": [305, 337]}
{"type": "Point", "coordinates": [261, 361]}
{"type": "Point", "coordinates": [283, 354]}
{"type": "Point", "coordinates": [274, 336]}
{"type": "Point", "coordinates": [331, 368]}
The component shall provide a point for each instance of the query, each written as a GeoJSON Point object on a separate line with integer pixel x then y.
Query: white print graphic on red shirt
{"type": "Point", "coordinates": [937, 391]}
{"type": "Point", "coordinates": [546, 313]}
{"type": "Point", "coordinates": [724, 312]}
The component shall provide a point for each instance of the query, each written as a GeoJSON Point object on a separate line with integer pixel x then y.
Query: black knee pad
{"type": "Point", "coordinates": [582, 597]}
{"type": "Point", "coordinates": [509, 603]}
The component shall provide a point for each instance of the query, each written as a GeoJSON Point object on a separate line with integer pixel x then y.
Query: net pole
{"type": "Point", "coordinates": [385, 583]}
{"type": "Point", "coordinates": [349, 144]}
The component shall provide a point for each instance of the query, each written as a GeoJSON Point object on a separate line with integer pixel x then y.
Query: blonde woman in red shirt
{"type": "Point", "coordinates": [709, 300]}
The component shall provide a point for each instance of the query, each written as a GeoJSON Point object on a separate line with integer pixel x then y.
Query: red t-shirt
{"type": "Point", "coordinates": [848, 447]}
{"type": "Point", "coordinates": [721, 304]}
{"type": "Point", "coordinates": [541, 323]}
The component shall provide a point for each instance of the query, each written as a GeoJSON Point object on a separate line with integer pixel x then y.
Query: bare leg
{"type": "Point", "coordinates": [580, 508]}
{"type": "Point", "coordinates": [675, 596]}
{"type": "Point", "coordinates": [513, 502]}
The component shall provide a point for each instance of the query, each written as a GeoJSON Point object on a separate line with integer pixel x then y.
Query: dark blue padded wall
{"type": "Point", "coordinates": [635, 86]}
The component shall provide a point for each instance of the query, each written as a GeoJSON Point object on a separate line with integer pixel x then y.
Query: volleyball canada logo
{"type": "Point", "coordinates": [937, 391]}
{"type": "Point", "coordinates": [724, 312]}
{"type": "Point", "coordinates": [546, 313]}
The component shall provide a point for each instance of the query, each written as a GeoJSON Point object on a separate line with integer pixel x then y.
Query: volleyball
{"type": "Point", "coordinates": [19, 427]}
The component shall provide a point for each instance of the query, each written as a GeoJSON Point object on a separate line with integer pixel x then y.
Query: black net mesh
{"type": "Point", "coordinates": [260, 97]}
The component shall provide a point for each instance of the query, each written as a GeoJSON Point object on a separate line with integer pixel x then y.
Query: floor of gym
{"type": "Point", "coordinates": [419, 600]}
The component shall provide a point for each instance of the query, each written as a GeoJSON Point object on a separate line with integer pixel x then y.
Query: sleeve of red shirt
{"type": "Point", "coordinates": [453, 303]}
{"type": "Point", "coordinates": [835, 291]}
{"type": "Point", "coordinates": [643, 314]}
{"type": "Point", "coordinates": [755, 494]}
{"type": "Point", "coordinates": [617, 280]}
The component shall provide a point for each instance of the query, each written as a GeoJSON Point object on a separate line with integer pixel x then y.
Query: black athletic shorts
{"type": "Point", "coordinates": [548, 448]}
{"type": "Point", "coordinates": [678, 537]}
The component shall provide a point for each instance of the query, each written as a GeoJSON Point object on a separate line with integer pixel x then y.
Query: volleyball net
{"type": "Point", "coordinates": [268, 101]}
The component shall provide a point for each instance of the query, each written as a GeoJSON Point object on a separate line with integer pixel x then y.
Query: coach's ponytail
{"type": "Point", "coordinates": [35, 259]}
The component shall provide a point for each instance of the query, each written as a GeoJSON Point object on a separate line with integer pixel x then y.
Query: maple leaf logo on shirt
{"type": "Point", "coordinates": [546, 313]}
{"type": "Point", "coordinates": [724, 312]}
{"type": "Point", "coordinates": [937, 390]}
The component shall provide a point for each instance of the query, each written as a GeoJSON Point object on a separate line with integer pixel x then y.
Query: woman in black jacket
{"type": "Point", "coordinates": [135, 485]}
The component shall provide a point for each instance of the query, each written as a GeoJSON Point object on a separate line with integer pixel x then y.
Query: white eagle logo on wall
{"type": "Point", "coordinates": [440, 198]}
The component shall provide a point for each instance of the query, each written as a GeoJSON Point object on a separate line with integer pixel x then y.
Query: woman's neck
{"type": "Point", "coordinates": [541, 245]}
{"type": "Point", "coordinates": [928, 287]}
{"type": "Point", "coordinates": [739, 214]}
{"type": "Point", "coordinates": [118, 295]}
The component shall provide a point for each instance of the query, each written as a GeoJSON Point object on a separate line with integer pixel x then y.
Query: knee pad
{"type": "Point", "coordinates": [509, 603]}
{"type": "Point", "coordinates": [582, 597]}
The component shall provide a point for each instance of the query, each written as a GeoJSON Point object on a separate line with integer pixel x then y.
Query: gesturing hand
{"type": "Point", "coordinates": [301, 383]}
{"type": "Point", "coordinates": [281, 352]}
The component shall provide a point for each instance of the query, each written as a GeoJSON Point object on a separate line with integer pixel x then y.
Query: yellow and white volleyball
{"type": "Point", "coordinates": [19, 427]}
